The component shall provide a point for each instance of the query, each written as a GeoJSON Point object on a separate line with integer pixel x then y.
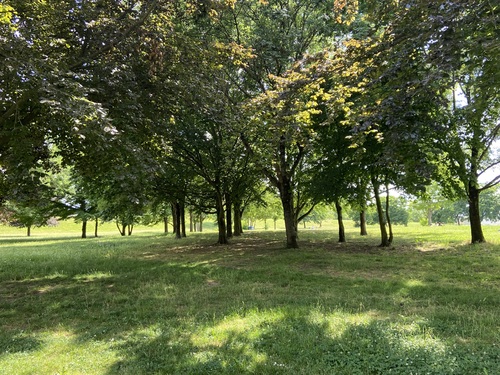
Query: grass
{"type": "Point", "coordinates": [150, 304]}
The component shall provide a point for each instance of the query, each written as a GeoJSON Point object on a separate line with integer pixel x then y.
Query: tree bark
{"type": "Point", "coordinates": [84, 228]}
{"type": "Point", "coordinates": [182, 212]}
{"type": "Point", "coordinates": [221, 221]}
{"type": "Point", "coordinates": [286, 195]}
{"type": "Point", "coordinates": [200, 228]}
{"type": "Point", "coordinates": [28, 231]}
{"type": "Point", "coordinates": [121, 229]}
{"type": "Point", "coordinates": [476, 229]}
{"type": "Point", "coordinates": [83, 207]}
{"type": "Point", "coordinates": [174, 217]}
{"type": "Point", "coordinates": [130, 228]}
{"type": "Point", "coordinates": [237, 219]}
{"type": "Point", "coordinates": [96, 227]}
{"type": "Point", "coordinates": [165, 224]}
{"type": "Point", "coordinates": [338, 207]}
{"type": "Point", "coordinates": [191, 220]}
{"type": "Point", "coordinates": [387, 215]}
{"type": "Point", "coordinates": [362, 223]}
{"type": "Point", "coordinates": [380, 212]}
{"type": "Point", "coordinates": [229, 217]}
{"type": "Point", "coordinates": [177, 220]}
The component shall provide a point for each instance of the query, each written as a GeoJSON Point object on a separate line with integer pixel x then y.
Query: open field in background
{"type": "Point", "coordinates": [150, 304]}
{"type": "Point", "coordinates": [414, 232]}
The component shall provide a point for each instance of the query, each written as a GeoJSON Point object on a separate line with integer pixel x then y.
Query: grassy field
{"type": "Point", "coordinates": [150, 304]}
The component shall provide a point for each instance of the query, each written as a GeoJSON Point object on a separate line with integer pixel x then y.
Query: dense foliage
{"type": "Point", "coordinates": [148, 107]}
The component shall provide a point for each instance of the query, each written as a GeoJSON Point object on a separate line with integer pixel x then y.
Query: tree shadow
{"type": "Point", "coordinates": [18, 342]}
{"type": "Point", "coordinates": [155, 305]}
{"type": "Point", "coordinates": [297, 345]}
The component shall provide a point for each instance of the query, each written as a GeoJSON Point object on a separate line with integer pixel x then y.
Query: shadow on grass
{"type": "Point", "coordinates": [295, 345]}
{"type": "Point", "coordinates": [28, 241]}
{"type": "Point", "coordinates": [157, 302]}
{"type": "Point", "coordinates": [18, 343]}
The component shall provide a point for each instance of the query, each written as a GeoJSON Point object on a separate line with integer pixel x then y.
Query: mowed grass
{"type": "Point", "coordinates": [150, 304]}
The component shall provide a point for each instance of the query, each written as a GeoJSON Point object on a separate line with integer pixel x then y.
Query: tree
{"type": "Point", "coordinates": [280, 34]}
{"type": "Point", "coordinates": [490, 205]}
{"type": "Point", "coordinates": [28, 215]}
{"type": "Point", "coordinates": [319, 214]}
{"type": "Point", "coordinates": [430, 201]}
{"type": "Point", "coordinates": [280, 126]}
{"type": "Point", "coordinates": [49, 50]}
{"type": "Point", "coordinates": [398, 211]}
{"type": "Point", "coordinates": [431, 52]}
{"type": "Point", "coordinates": [71, 198]}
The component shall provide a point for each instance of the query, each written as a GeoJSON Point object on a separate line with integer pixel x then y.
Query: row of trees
{"type": "Point", "coordinates": [431, 209]}
{"type": "Point", "coordinates": [208, 104]}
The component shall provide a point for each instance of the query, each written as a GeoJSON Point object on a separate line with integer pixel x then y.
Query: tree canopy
{"type": "Point", "coordinates": [207, 104]}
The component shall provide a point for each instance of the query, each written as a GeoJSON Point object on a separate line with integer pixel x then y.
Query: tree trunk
{"type": "Point", "coordinates": [286, 196]}
{"type": "Point", "coordinates": [229, 217]}
{"type": "Point", "coordinates": [240, 221]}
{"type": "Point", "coordinates": [275, 220]}
{"type": "Point", "coordinates": [429, 216]}
{"type": "Point", "coordinates": [84, 228]}
{"type": "Point", "coordinates": [182, 211]}
{"type": "Point", "coordinates": [387, 216]}
{"type": "Point", "coordinates": [338, 207]}
{"type": "Point", "coordinates": [380, 213]}
{"type": "Point", "coordinates": [237, 219]}
{"type": "Point", "coordinates": [28, 231]}
{"type": "Point", "coordinates": [174, 217]}
{"type": "Point", "coordinates": [476, 229]}
{"type": "Point", "coordinates": [177, 217]}
{"type": "Point", "coordinates": [191, 220]}
{"type": "Point", "coordinates": [130, 228]}
{"type": "Point", "coordinates": [121, 229]}
{"type": "Point", "coordinates": [362, 223]}
{"type": "Point", "coordinates": [221, 221]}
{"type": "Point", "coordinates": [96, 227]}
{"type": "Point", "coordinates": [200, 228]}
{"type": "Point", "coordinates": [83, 208]}
{"type": "Point", "coordinates": [165, 224]}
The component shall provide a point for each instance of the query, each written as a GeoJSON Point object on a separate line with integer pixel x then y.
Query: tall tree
{"type": "Point", "coordinates": [48, 50]}
{"type": "Point", "coordinates": [445, 55]}
{"type": "Point", "coordinates": [280, 34]}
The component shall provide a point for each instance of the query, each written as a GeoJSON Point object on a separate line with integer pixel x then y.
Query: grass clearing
{"type": "Point", "coordinates": [150, 304]}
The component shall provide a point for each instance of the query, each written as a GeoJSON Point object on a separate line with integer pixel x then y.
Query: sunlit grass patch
{"type": "Point", "coordinates": [53, 352]}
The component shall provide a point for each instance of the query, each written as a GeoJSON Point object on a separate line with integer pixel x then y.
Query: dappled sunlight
{"type": "Point", "coordinates": [337, 320]}
{"type": "Point", "coordinates": [93, 276]}
{"type": "Point", "coordinates": [56, 276]}
{"type": "Point", "coordinates": [30, 241]}
{"type": "Point", "coordinates": [156, 305]}
{"type": "Point", "coordinates": [73, 357]}
{"type": "Point", "coordinates": [411, 283]}
{"type": "Point", "coordinates": [428, 246]}
{"type": "Point", "coordinates": [228, 326]}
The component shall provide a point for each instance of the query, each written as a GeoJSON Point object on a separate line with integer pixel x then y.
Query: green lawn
{"type": "Point", "coordinates": [150, 304]}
